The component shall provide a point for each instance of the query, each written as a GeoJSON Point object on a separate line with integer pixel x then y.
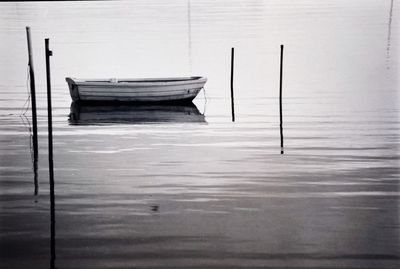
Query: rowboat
{"type": "Point", "coordinates": [149, 90]}
{"type": "Point", "coordinates": [117, 113]}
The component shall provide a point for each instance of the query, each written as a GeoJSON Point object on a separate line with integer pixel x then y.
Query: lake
{"type": "Point", "coordinates": [184, 186]}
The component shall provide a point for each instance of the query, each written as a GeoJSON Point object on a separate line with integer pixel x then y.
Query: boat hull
{"type": "Point", "coordinates": [169, 90]}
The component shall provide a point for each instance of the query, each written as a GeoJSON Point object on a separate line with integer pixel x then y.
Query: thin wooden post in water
{"type": "Point", "coordinates": [34, 116]}
{"type": "Point", "coordinates": [51, 169]}
{"type": "Point", "coordinates": [232, 98]}
{"type": "Point", "coordinates": [280, 99]}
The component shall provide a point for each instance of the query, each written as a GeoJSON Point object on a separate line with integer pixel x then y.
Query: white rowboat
{"type": "Point", "coordinates": [169, 90]}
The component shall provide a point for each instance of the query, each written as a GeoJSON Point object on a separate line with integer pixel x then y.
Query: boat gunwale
{"type": "Point", "coordinates": [137, 82]}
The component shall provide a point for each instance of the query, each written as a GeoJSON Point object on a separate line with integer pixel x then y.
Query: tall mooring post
{"type": "Point", "coordinates": [280, 100]}
{"type": "Point", "coordinates": [49, 53]}
{"type": "Point", "coordinates": [33, 104]}
{"type": "Point", "coordinates": [232, 97]}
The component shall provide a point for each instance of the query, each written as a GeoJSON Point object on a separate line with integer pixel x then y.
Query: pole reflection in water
{"type": "Point", "coordinates": [389, 35]}
{"type": "Point", "coordinates": [189, 37]}
{"type": "Point", "coordinates": [86, 114]}
{"type": "Point", "coordinates": [35, 174]}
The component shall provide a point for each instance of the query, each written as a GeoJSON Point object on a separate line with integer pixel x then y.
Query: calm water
{"type": "Point", "coordinates": [184, 187]}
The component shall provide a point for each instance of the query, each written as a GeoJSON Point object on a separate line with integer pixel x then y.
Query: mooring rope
{"type": "Point", "coordinates": [29, 94]}
{"type": "Point", "coordinates": [205, 100]}
{"type": "Point", "coordinates": [204, 92]}
{"type": "Point", "coordinates": [27, 124]}
{"type": "Point", "coordinates": [24, 118]}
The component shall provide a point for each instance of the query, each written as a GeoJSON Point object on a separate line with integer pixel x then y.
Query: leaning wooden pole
{"type": "Point", "coordinates": [232, 97]}
{"type": "Point", "coordinates": [34, 115]}
{"type": "Point", "coordinates": [280, 99]}
{"type": "Point", "coordinates": [51, 169]}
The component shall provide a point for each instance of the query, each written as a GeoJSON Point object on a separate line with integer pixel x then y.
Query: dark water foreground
{"type": "Point", "coordinates": [189, 191]}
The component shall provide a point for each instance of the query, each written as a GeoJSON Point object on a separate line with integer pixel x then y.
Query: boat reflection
{"type": "Point", "coordinates": [86, 114]}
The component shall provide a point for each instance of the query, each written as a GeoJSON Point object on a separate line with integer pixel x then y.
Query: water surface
{"type": "Point", "coordinates": [184, 187]}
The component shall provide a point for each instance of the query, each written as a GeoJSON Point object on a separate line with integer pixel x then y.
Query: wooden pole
{"type": "Point", "coordinates": [34, 115]}
{"type": "Point", "coordinates": [51, 169]}
{"type": "Point", "coordinates": [280, 99]}
{"type": "Point", "coordinates": [232, 98]}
